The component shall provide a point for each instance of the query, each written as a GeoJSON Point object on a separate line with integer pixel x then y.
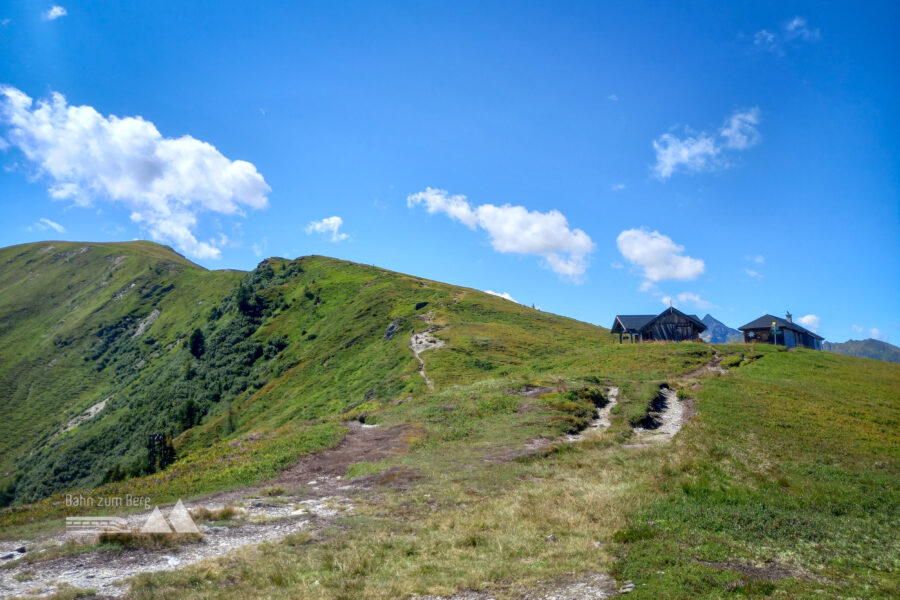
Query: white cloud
{"type": "Point", "coordinates": [4, 145]}
{"type": "Point", "coordinates": [878, 334]}
{"type": "Point", "coordinates": [502, 295]}
{"type": "Point", "coordinates": [797, 29]}
{"type": "Point", "coordinates": [658, 255]}
{"type": "Point", "coordinates": [165, 183]}
{"type": "Point", "coordinates": [517, 230]}
{"type": "Point", "coordinates": [695, 300]}
{"type": "Point", "coordinates": [691, 153]}
{"type": "Point", "coordinates": [740, 131]}
{"type": "Point", "coordinates": [328, 226]}
{"type": "Point", "coordinates": [260, 247]}
{"type": "Point", "coordinates": [612, 97]}
{"type": "Point", "coordinates": [872, 332]}
{"type": "Point", "coordinates": [703, 151]}
{"type": "Point", "coordinates": [618, 187]}
{"type": "Point", "coordinates": [43, 224]}
{"type": "Point", "coordinates": [758, 259]}
{"type": "Point", "coordinates": [811, 322]}
{"type": "Point", "coordinates": [765, 39]}
{"type": "Point", "coordinates": [753, 274]}
{"type": "Point", "coordinates": [5, 22]}
{"type": "Point", "coordinates": [54, 13]}
{"type": "Point", "coordinates": [688, 299]}
{"type": "Point", "coordinates": [616, 265]}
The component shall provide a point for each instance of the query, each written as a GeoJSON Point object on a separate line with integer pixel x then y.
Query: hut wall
{"type": "Point", "coordinates": [673, 327]}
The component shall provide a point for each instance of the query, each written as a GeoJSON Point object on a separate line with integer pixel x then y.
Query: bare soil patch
{"type": "Point", "coordinates": [594, 586]}
{"type": "Point", "coordinates": [770, 571]}
{"type": "Point", "coordinates": [309, 496]}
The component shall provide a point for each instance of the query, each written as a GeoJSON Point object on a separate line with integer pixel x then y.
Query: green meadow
{"type": "Point", "coordinates": [784, 483]}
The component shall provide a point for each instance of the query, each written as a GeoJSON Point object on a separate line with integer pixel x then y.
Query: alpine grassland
{"type": "Point", "coordinates": [784, 480]}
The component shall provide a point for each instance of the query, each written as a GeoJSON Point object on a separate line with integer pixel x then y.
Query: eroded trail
{"type": "Point", "coordinates": [307, 497]}
{"type": "Point", "coordinates": [665, 422]}
{"type": "Point", "coordinates": [602, 419]}
{"type": "Point", "coordinates": [420, 342]}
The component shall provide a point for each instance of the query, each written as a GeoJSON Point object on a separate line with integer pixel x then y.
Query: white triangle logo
{"type": "Point", "coordinates": [156, 523]}
{"type": "Point", "coordinates": [181, 520]}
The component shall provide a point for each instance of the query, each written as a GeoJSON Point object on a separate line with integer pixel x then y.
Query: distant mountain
{"type": "Point", "coordinates": [865, 349]}
{"type": "Point", "coordinates": [718, 332]}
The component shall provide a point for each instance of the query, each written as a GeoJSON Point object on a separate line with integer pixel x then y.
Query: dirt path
{"type": "Point", "coordinates": [667, 422]}
{"type": "Point", "coordinates": [307, 497]}
{"type": "Point", "coordinates": [602, 419]}
{"type": "Point", "coordinates": [420, 342]}
{"type": "Point", "coordinates": [712, 367]}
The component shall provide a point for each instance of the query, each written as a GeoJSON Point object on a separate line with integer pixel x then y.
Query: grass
{"type": "Point", "coordinates": [773, 489]}
{"type": "Point", "coordinates": [784, 484]}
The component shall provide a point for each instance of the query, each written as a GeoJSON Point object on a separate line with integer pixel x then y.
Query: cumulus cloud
{"type": "Point", "coordinates": [658, 256]}
{"type": "Point", "coordinates": [687, 299]}
{"type": "Point", "coordinates": [54, 13]}
{"type": "Point", "coordinates": [517, 230]}
{"type": "Point", "coordinates": [753, 274]}
{"type": "Point", "coordinates": [740, 130]}
{"type": "Point", "coordinates": [811, 322]}
{"type": "Point", "coordinates": [165, 182]}
{"type": "Point", "coordinates": [502, 295]}
{"type": "Point", "coordinates": [696, 152]}
{"type": "Point", "coordinates": [618, 187]}
{"type": "Point", "coordinates": [612, 97]}
{"type": "Point", "coordinates": [43, 224]}
{"type": "Point", "coordinates": [329, 227]}
{"type": "Point", "coordinates": [690, 153]}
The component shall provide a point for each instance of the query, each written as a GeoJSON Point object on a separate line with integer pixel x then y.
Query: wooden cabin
{"type": "Point", "coordinates": [670, 325]}
{"type": "Point", "coordinates": [783, 332]}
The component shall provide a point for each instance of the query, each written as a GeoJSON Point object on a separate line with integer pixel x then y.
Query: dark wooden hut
{"type": "Point", "coordinates": [783, 332]}
{"type": "Point", "coordinates": [669, 325]}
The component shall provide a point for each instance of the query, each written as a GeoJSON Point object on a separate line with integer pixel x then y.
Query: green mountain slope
{"type": "Point", "coordinates": [868, 348]}
{"type": "Point", "coordinates": [98, 353]}
{"type": "Point", "coordinates": [62, 308]}
{"type": "Point", "coordinates": [782, 482]}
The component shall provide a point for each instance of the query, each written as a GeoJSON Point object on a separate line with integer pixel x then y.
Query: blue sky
{"type": "Point", "coordinates": [589, 158]}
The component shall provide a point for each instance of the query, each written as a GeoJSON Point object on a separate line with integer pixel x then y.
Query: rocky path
{"type": "Point", "coordinates": [307, 497]}
{"type": "Point", "coordinates": [420, 342]}
{"type": "Point", "coordinates": [668, 421]}
{"type": "Point", "coordinates": [601, 420]}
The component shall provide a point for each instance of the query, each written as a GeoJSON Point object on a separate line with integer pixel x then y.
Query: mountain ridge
{"type": "Point", "coordinates": [867, 348]}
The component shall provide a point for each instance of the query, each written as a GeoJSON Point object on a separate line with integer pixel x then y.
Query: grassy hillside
{"type": "Point", "coordinates": [285, 346]}
{"type": "Point", "coordinates": [784, 483]}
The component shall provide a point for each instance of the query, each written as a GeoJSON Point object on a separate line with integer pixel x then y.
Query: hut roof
{"type": "Point", "coordinates": [765, 322]}
{"type": "Point", "coordinates": [632, 322]}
